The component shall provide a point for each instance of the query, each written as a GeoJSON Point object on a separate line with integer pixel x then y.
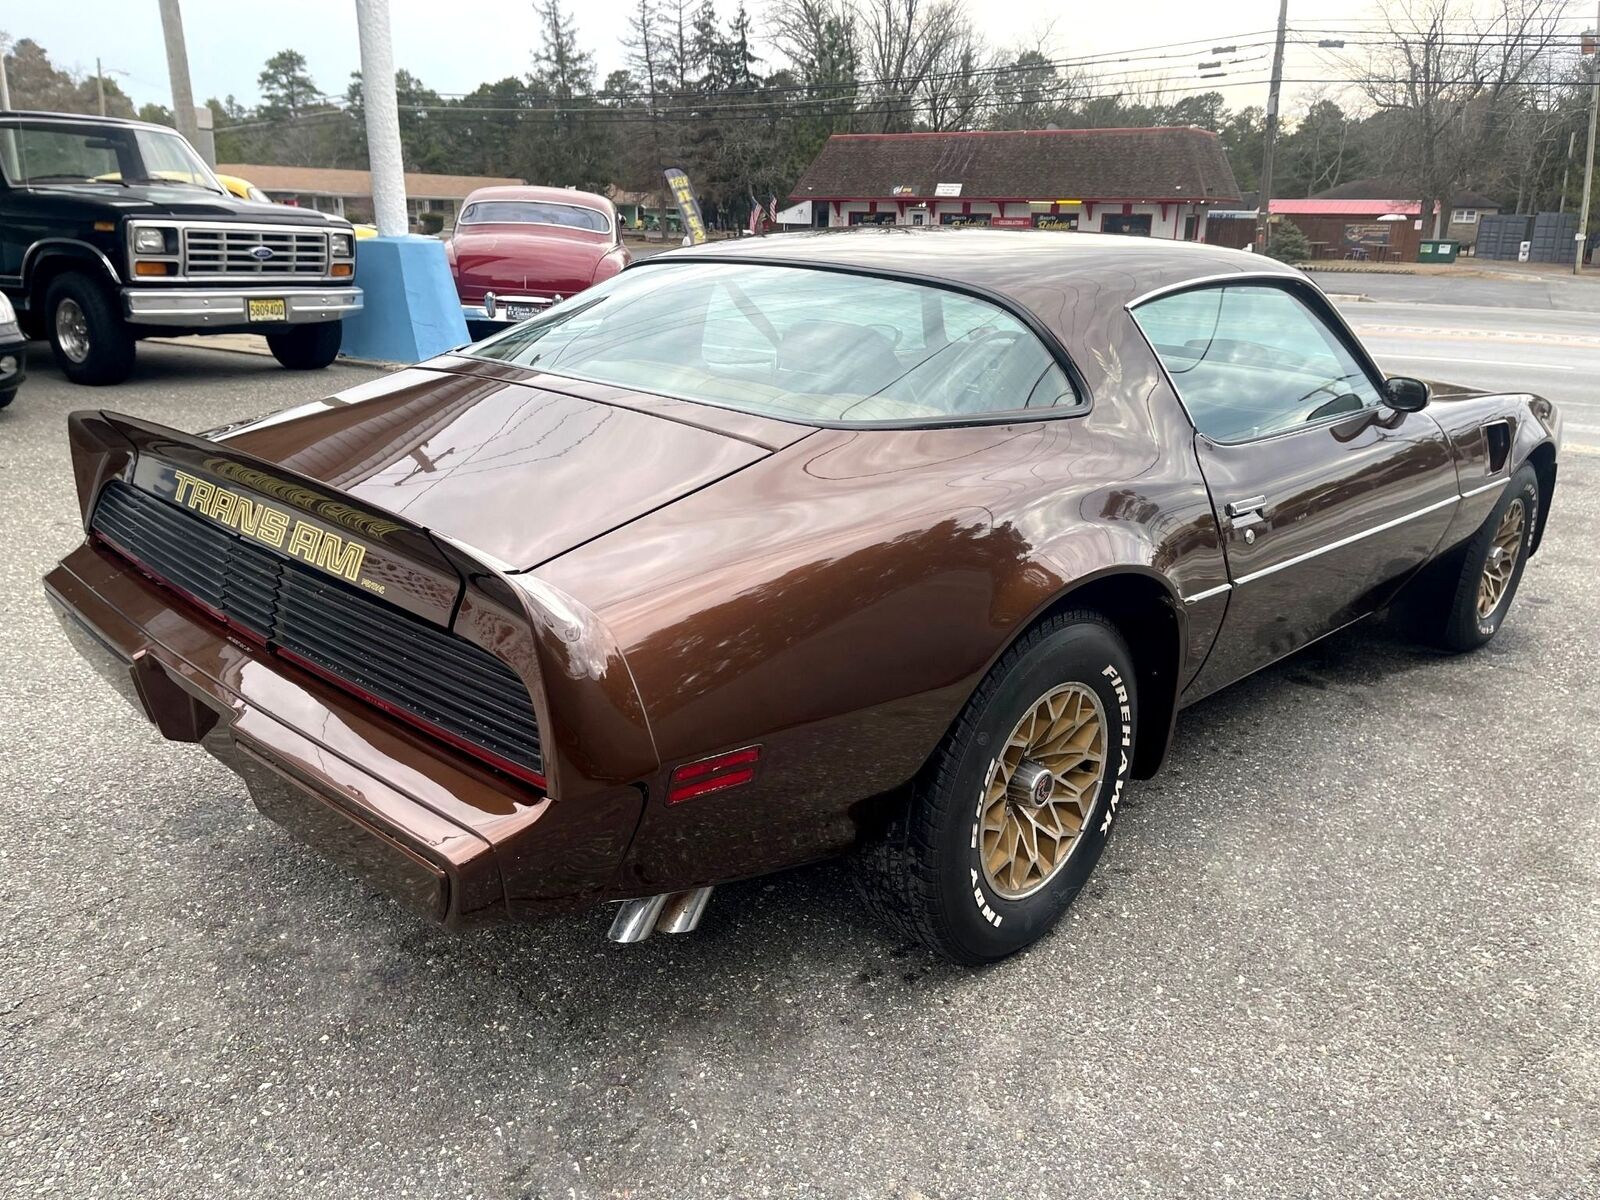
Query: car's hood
{"type": "Point", "coordinates": [523, 260]}
{"type": "Point", "coordinates": [517, 466]}
{"type": "Point", "coordinates": [167, 200]}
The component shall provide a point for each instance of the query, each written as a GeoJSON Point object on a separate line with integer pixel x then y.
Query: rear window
{"type": "Point", "coordinates": [534, 212]}
{"type": "Point", "coordinates": [793, 343]}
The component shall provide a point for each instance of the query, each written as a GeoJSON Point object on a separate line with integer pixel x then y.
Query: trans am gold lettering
{"type": "Point", "coordinates": [272, 526]}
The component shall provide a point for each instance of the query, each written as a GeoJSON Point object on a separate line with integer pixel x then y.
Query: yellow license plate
{"type": "Point", "coordinates": [267, 310]}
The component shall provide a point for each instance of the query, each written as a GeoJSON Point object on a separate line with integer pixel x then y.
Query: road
{"type": "Point", "coordinates": [1347, 945]}
{"type": "Point", "coordinates": [1554, 353]}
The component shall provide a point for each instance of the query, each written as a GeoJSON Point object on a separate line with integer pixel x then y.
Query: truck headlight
{"type": "Point", "coordinates": [8, 315]}
{"type": "Point", "coordinates": [150, 241]}
{"type": "Point", "coordinates": [342, 245]}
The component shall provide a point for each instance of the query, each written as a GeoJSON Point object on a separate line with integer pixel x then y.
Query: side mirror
{"type": "Point", "coordinates": [1404, 394]}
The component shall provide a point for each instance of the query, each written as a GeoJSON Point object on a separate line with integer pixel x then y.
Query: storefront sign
{"type": "Point", "coordinates": [901, 189]}
{"type": "Point", "coordinates": [1371, 236]}
{"type": "Point", "coordinates": [1062, 223]}
{"type": "Point", "coordinates": [1011, 222]}
{"type": "Point", "coordinates": [947, 189]}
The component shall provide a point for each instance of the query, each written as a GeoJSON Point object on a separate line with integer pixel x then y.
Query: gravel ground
{"type": "Point", "coordinates": [1347, 945]}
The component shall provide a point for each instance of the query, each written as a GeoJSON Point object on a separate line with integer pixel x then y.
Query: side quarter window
{"type": "Point", "coordinates": [1252, 360]}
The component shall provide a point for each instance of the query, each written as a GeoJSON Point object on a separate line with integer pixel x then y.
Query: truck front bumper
{"type": "Point", "coordinates": [220, 308]}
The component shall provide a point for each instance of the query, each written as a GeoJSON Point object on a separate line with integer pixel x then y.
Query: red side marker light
{"type": "Point", "coordinates": [714, 774]}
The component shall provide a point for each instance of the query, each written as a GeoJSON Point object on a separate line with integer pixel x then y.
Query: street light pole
{"type": "Point", "coordinates": [1588, 167]}
{"type": "Point", "coordinates": [1270, 140]}
{"type": "Point", "coordinates": [5, 85]}
{"type": "Point", "coordinates": [100, 86]}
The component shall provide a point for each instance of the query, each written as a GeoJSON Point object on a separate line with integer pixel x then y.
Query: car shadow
{"type": "Point", "coordinates": [767, 945]}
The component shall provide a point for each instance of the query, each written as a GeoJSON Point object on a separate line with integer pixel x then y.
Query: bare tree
{"type": "Point", "coordinates": [1450, 74]}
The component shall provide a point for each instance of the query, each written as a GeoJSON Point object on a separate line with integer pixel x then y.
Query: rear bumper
{"type": "Point", "coordinates": [224, 307]}
{"type": "Point", "coordinates": [458, 845]}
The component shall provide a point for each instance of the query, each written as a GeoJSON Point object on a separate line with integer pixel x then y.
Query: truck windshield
{"type": "Point", "coordinates": [35, 154]}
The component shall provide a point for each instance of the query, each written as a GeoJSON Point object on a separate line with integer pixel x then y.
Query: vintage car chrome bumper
{"type": "Point", "coordinates": [218, 307]}
{"type": "Point", "coordinates": [495, 308]}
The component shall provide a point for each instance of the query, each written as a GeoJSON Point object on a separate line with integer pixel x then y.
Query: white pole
{"type": "Point", "coordinates": [178, 69]}
{"type": "Point", "coordinates": [383, 118]}
{"type": "Point", "coordinates": [5, 86]}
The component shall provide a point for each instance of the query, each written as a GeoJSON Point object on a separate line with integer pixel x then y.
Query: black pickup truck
{"type": "Point", "coordinates": [115, 230]}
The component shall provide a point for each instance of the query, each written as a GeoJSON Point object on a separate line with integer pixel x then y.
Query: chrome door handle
{"type": "Point", "coordinates": [1248, 507]}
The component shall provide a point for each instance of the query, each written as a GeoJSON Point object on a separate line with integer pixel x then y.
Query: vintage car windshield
{"type": "Point", "coordinates": [534, 212]}
{"type": "Point", "coordinates": [96, 155]}
{"type": "Point", "coordinates": [793, 343]}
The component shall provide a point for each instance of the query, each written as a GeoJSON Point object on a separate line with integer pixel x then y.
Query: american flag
{"type": "Point", "coordinates": [772, 208]}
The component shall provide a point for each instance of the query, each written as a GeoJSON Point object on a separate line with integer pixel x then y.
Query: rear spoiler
{"type": "Point", "coordinates": [592, 723]}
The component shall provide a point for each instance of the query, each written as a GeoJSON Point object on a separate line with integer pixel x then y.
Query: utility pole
{"type": "Point", "coordinates": [1270, 141]}
{"type": "Point", "coordinates": [383, 118]}
{"type": "Point", "coordinates": [100, 86]}
{"type": "Point", "coordinates": [178, 69]}
{"type": "Point", "coordinates": [5, 86]}
{"type": "Point", "coordinates": [1588, 167]}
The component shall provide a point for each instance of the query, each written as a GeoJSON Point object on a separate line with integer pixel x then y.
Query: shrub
{"type": "Point", "coordinates": [1286, 243]}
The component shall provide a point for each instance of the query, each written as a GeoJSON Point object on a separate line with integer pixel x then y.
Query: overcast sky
{"type": "Point", "coordinates": [455, 46]}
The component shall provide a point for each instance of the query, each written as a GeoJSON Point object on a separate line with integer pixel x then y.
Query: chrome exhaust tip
{"type": "Point", "coordinates": [683, 911]}
{"type": "Point", "coordinates": [670, 912]}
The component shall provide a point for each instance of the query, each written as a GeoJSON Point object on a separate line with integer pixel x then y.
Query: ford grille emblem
{"type": "Point", "coordinates": [260, 253]}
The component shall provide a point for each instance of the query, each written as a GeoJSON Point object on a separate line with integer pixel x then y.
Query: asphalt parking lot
{"type": "Point", "coordinates": [1347, 945]}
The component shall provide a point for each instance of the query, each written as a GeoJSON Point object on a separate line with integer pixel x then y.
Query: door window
{"type": "Point", "coordinates": [1253, 360]}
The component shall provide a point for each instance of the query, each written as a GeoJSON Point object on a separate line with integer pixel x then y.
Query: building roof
{"type": "Point", "coordinates": [1316, 206]}
{"type": "Point", "coordinates": [339, 181]}
{"type": "Point", "coordinates": [1150, 165]}
{"type": "Point", "coordinates": [1388, 187]}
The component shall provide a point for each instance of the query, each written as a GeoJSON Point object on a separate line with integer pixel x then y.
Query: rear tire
{"type": "Point", "coordinates": [1477, 598]}
{"type": "Point", "coordinates": [7, 397]}
{"type": "Point", "coordinates": [307, 347]}
{"type": "Point", "coordinates": [92, 343]}
{"type": "Point", "coordinates": [933, 876]}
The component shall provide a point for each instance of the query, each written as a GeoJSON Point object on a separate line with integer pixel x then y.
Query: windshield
{"type": "Point", "coordinates": [534, 212]}
{"type": "Point", "coordinates": [89, 155]}
{"type": "Point", "coordinates": [793, 343]}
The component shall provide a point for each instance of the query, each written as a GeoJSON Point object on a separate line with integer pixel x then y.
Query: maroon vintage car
{"type": "Point", "coordinates": [517, 250]}
{"type": "Point", "coordinates": [913, 542]}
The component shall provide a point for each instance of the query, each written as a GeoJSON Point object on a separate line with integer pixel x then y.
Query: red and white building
{"type": "Point", "coordinates": [1151, 182]}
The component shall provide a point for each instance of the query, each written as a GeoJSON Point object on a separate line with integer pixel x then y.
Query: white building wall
{"type": "Point", "coordinates": [1089, 217]}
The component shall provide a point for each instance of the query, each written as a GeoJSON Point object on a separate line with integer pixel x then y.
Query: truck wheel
{"type": "Point", "coordinates": [91, 341]}
{"type": "Point", "coordinates": [1479, 596]}
{"type": "Point", "coordinates": [7, 397]}
{"type": "Point", "coordinates": [307, 347]}
{"type": "Point", "coordinates": [1012, 812]}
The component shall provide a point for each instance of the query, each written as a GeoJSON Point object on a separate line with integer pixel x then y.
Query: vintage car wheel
{"type": "Point", "coordinates": [7, 397]}
{"type": "Point", "coordinates": [1014, 809]}
{"type": "Point", "coordinates": [1491, 566]}
{"type": "Point", "coordinates": [307, 347]}
{"type": "Point", "coordinates": [91, 342]}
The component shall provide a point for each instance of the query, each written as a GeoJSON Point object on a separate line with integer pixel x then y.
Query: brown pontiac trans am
{"type": "Point", "coordinates": [905, 542]}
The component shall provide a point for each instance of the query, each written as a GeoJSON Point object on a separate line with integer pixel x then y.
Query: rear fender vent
{"type": "Point", "coordinates": [1498, 435]}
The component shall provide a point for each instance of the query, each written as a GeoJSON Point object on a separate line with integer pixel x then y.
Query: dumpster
{"type": "Point", "coordinates": [1438, 251]}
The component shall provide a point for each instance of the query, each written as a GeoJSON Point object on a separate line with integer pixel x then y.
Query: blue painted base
{"type": "Point", "coordinates": [411, 311]}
